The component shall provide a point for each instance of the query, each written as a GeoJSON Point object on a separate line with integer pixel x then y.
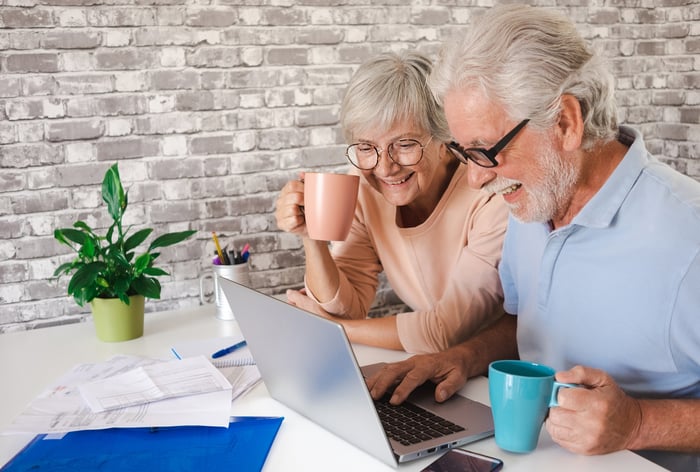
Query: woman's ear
{"type": "Point", "coordinates": [570, 125]}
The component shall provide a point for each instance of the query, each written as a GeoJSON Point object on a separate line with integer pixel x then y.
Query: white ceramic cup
{"type": "Point", "coordinates": [213, 292]}
{"type": "Point", "coordinates": [329, 204]}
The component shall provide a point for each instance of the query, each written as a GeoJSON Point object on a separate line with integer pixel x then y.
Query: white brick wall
{"type": "Point", "coordinates": [209, 107]}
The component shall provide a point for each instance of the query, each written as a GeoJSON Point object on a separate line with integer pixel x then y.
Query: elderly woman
{"type": "Point", "coordinates": [437, 240]}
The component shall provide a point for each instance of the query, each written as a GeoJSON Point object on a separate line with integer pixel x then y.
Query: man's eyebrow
{"type": "Point", "coordinates": [476, 143]}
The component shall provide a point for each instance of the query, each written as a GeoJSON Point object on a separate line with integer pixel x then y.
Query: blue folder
{"type": "Point", "coordinates": [242, 447]}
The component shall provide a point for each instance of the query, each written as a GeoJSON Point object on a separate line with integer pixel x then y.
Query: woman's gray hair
{"type": "Point", "coordinates": [389, 88]}
{"type": "Point", "coordinates": [525, 58]}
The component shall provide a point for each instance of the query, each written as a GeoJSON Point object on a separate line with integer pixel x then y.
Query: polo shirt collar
{"type": "Point", "coordinates": [602, 208]}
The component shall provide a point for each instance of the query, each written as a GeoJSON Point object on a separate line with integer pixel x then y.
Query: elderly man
{"type": "Point", "coordinates": [601, 262]}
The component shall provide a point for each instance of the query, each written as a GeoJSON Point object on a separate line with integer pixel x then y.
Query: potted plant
{"type": "Point", "coordinates": [107, 274]}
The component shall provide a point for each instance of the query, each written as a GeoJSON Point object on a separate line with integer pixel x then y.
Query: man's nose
{"type": "Point", "coordinates": [478, 176]}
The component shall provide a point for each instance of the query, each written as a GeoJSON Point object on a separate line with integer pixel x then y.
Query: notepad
{"type": "Point", "coordinates": [238, 367]}
{"type": "Point", "coordinates": [209, 346]}
{"type": "Point", "coordinates": [242, 447]}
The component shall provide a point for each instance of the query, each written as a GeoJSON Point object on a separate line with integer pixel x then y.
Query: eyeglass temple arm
{"type": "Point", "coordinates": [507, 139]}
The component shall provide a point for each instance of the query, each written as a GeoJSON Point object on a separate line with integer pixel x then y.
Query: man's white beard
{"type": "Point", "coordinates": [544, 199]}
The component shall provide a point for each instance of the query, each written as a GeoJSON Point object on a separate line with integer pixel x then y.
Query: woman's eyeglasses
{"type": "Point", "coordinates": [404, 152]}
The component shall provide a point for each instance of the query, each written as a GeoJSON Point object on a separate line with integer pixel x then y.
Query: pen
{"type": "Point", "coordinates": [228, 350]}
{"type": "Point", "coordinates": [218, 248]}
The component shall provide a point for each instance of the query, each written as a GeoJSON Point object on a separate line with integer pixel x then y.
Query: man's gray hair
{"type": "Point", "coordinates": [525, 58]}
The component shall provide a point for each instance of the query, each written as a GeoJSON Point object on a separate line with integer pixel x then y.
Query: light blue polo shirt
{"type": "Point", "coordinates": [619, 288]}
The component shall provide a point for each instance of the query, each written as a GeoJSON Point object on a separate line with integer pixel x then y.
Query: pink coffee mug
{"type": "Point", "coordinates": [329, 204]}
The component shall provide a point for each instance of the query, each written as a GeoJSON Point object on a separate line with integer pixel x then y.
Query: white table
{"type": "Point", "coordinates": [31, 360]}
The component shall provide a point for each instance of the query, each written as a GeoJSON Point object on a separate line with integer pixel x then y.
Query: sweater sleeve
{"type": "Point", "coordinates": [359, 267]}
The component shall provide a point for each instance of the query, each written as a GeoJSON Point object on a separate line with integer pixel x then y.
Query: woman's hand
{"type": "Point", "coordinates": [289, 208]}
{"type": "Point", "coordinates": [300, 299]}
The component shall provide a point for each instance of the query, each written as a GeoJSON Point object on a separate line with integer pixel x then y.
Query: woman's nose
{"type": "Point", "coordinates": [384, 164]}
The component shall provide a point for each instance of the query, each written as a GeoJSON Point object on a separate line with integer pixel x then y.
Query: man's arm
{"type": "Point", "coordinates": [669, 425]}
{"type": "Point", "coordinates": [449, 369]}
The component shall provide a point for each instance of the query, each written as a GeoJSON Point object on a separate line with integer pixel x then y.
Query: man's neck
{"type": "Point", "coordinates": [595, 167]}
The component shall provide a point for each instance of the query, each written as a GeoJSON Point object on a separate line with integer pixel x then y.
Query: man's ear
{"type": "Point", "coordinates": [570, 125]}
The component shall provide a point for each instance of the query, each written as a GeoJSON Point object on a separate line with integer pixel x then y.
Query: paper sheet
{"type": "Point", "coordinates": [61, 408]}
{"type": "Point", "coordinates": [154, 382]}
{"type": "Point", "coordinates": [242, 379]}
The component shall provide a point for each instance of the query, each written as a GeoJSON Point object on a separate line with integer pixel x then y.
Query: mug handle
{"type": "Point", "coordinates": [202, 298]}
{"type": "Point", "coordinates": [553, 401]}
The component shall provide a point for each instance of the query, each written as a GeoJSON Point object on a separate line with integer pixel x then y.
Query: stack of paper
{"type": "Point", "coordinates": [154, 382]}
{"type": "Point", "coordinates": [61, 408]}
{"type": "Point", "coordinates": [133, 413]}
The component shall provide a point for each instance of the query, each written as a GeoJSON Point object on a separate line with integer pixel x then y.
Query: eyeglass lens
{"type": "Point", "coordinates": [405, 152]}
{"type": "Point", "coordinates": [485, 157]}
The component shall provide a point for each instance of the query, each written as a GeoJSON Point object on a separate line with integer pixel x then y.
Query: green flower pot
{"type": "Point", "coordinates": [116, 321]}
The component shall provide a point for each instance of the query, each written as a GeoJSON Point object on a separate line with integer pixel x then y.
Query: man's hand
{"type": "Point", "coordinates": [449, 369]}
{"type": "Point", "coordinates": [446, 369]}
{"type": "Point", "coordinates": [597, 419]}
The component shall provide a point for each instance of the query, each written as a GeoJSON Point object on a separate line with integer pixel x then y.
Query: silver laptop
{"type": "Point", "coordinates": [307, 363]}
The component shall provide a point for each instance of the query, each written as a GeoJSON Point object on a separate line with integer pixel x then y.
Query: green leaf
{"type": "Point", "coordinates": [124, 298]}
{"type": "Point", "coordinates": [82, 225]}
{"type": "Point", "coordinates": [154, 271]}
{"type": "Point", "coordinates": [122, 284]}
{"type": "Point", "coordinates": [141, 263]}
{"type": "Point", "coordinates": [170, 239]}
{"type": "Point", "coordinates": [70, 234]}
{"type": "Point", "coordinates": [147, 286]}
{"type": "Point", "coordinates": [90, 292]}
{"type": "Point", "coordinates": [85, 276]}
{"type": "Point", "coordinates": [137, 238]}
{"type": "Point", "coordinates": [63, 269]}
{"type": "Point", "coordinates": [113, 193]}
{"type": "Point", "coordinates": [88, 249]}
{"type": "Point", "coordinates": [119, 258]}
{"type": "Point", "coordinates": [81, 298]}
{"type": "Point", "coordinates": [110, 232]}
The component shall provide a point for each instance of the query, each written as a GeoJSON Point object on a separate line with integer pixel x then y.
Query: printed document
{"type": "Point", "coordinates": [61, 408]}
{"type": "Point", "coordinates": [154, 382]}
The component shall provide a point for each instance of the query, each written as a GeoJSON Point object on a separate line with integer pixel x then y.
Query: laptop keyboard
{"type": "Point", "coordinates": [411, 424]}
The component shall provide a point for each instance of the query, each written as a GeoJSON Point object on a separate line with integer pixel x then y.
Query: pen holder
{"type": "Point", "coordinates": [207, 293]}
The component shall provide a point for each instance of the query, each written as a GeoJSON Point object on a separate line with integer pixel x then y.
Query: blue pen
{"type": "Point", "coordinates": [228, 350]}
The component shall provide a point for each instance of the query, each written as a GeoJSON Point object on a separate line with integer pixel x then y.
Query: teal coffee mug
{"type": "Point", "coordinates": [521, 393]}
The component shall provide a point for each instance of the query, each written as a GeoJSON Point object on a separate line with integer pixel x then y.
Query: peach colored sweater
{"type": "Point", "coordinates": [445, 269]}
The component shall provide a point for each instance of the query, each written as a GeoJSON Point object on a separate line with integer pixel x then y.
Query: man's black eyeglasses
{"type": "Point", "coordinates": [484, 157]}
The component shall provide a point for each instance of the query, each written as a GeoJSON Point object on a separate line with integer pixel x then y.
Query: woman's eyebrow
{"type": "Point", "coordinates": [408, 135]}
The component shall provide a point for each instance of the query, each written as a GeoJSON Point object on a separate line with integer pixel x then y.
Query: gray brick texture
{"type": "Point", "coordinates": [211, 106]}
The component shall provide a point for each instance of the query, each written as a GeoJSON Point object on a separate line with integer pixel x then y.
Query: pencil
{"type": "Point", "coordinates": [218, 248]}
